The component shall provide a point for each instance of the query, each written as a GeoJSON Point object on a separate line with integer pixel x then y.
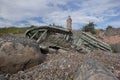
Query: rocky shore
{"type": "Point", "coordinates": [61, 65]}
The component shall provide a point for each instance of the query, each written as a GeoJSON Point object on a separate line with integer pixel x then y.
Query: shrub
{"type": "Point", "coordinates": [109, 27]}
{"type": "Point", "coordinates": [89, 28]}
{"type": "Point", "coordinates": [116, 47]}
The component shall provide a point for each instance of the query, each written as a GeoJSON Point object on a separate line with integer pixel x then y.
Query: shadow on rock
{"type": "Point", "coordinates": [18, 53]}
{"type": "Point", "coordinates": [91, 70]}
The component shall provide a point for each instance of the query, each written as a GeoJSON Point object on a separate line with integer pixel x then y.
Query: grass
{"type": "Point", "coordinates": [13, 30]}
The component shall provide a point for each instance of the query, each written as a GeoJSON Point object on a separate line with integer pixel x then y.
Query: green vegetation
{"type": "Point", "coordinates": [109, 27]}
{"type": "Point", "coordinates": [116, 48]}
{"type": "Point", "coordinates": [14, 30]}
{"type": "Point", "coordinates": [90, 27]}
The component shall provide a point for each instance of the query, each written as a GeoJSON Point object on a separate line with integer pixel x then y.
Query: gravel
{"type": "Point", "coordinates": [62, 66]}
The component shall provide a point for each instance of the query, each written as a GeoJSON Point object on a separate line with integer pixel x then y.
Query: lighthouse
{"type": "Point", "coordinates": [69, 23]}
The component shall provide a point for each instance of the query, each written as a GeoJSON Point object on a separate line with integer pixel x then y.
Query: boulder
{"type": "Point", "coordinates": [91, 70]}
{"type": "Point", "coordinates": [18, 53]}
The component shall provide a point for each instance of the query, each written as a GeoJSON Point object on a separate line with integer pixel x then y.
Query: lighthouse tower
{"type": "Point", "coordinates": [69, 23]}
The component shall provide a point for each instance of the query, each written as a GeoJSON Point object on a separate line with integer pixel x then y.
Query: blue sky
{"type": "Point", "coordinates": [44, 12]}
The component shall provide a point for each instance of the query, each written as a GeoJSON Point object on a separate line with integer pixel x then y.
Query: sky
{"type": "Point", "coordinates": [23, 13]}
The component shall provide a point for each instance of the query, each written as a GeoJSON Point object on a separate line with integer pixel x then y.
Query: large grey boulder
{"type": "Point", "coordinates": [92, 70]}
{"type": "Point", "coordinates": [18, 53]}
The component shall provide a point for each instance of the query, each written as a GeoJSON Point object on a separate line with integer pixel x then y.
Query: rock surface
{"type": "Point", "coordinates": [2, 77]}
{"type": "Point", "coordinates": [18, 53]}
{"type": "Point", "coordinates": [92, 70]}
{"type": "Point", "coordinates": [63, 66]}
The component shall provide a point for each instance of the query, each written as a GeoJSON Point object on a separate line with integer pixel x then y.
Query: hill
{"type": "Point", "coordinates": [13, 30]}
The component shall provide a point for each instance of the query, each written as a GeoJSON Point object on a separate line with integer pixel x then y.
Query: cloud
{"type": "Point", "coordinates": [27, 12]}
{"type": "Point", "coordinates": [115, 24]}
